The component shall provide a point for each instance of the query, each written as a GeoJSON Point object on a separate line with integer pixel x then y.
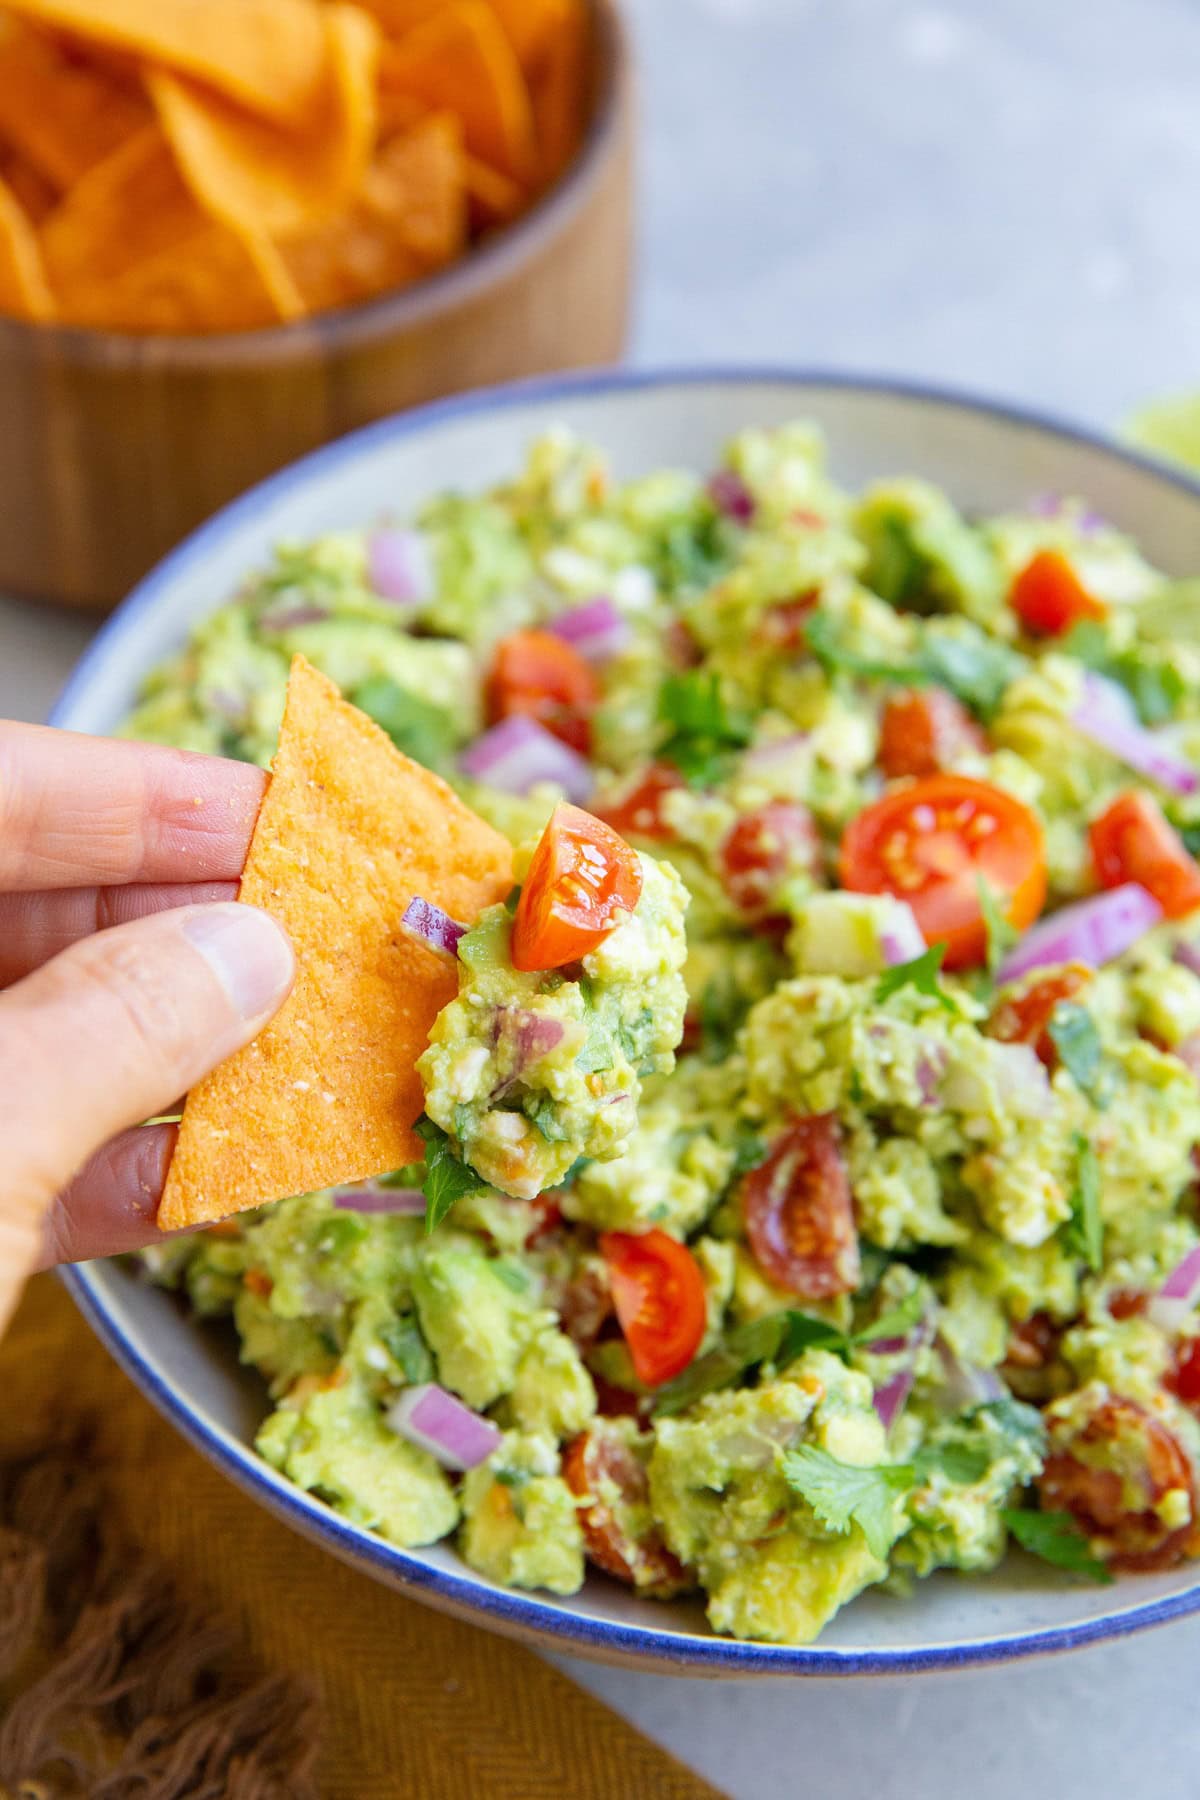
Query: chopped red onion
{"type": "Point", "coordinates": [1187, 955]}
{"type": "Point", "coordinates": [530, 1036]}
{"type": "Point", "coordinates": [404, 1202]}
{"type": "Point", "coordinates": [1092, 931]}
{"type": "Point", "coordinates": [1014, 1070]}
{"type": "Point", "coordinates": [966, 1384]}
{"type": "Point", "coordinates": [399, 566]}
{"type": "Point", "coordinates": [931, 1066]}
{"type": "Point", "coordinates": [432, 927]}
{"type": "Point", "coordinates": [1052, 506]}
{"type": "Point", "coordinates": [891, 1398]}
{"type": "Point", "coordinates": [439, 1422]}
{"type": "Point", "coordinates": [730, 495]}
{"type": "Point", "coordinates": [287, 614]}
{"type": "Point", "coordinates": [1106, 715]}
{"type": "Point", "coordinates": [596, 629]}
{"type": "Point", "coordinates": [1176, 1299]}
{"type": "Point", "coordinates": [226, 701]}
{"type": "Point", "coordinates": [903, 939]}
{"type": "Point", "coordinates": [519, 754]}
{"type": "Point", "coordinates": [776, 750]}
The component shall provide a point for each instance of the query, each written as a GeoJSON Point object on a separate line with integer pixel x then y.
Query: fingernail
{"type": "Point", "coordinates": [247, 952]}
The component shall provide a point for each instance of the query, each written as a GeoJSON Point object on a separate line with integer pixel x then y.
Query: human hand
{"type": "Point", "coordinates": [127, 971]}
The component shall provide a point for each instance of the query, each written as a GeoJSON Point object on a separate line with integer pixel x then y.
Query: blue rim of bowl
{"type": "Point", "coordinates": [508, 1610]}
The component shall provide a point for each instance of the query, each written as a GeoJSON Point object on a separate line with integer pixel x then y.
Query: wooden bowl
{"type": "Point", "coordinates": [115, 446]}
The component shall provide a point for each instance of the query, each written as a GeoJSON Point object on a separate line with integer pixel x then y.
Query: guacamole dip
{"type": "Point", "coordinates": [852, 1235]}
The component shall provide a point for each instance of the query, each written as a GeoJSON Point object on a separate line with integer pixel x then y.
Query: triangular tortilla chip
{"type": "Point", "coordinates": [459, 60]}
{"type": "Point", "coordinates": [349, 832]}
{"type": "Point", "coordinates": [408, 219]}
{"type": "Point", "coordinates": [257, 176]}
{"type": "Point", "coordinates": [269, 54]}
{"type": "Point", "coordinates": [62, 114]}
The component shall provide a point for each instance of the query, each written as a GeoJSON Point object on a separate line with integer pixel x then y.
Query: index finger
{"type": "Point", "coordinates": [80, 811]}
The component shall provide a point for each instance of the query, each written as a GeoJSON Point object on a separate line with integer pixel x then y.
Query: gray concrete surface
{"type": "Point", "coordinates": [1002, 196]}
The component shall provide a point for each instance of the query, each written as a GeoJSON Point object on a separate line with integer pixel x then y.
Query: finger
{"type": "Point", "coordinates": [107, 1033]}
{"type": "Point", "coordinates": [83, 812]}
{"type": "Point", "coordinates": [35, 927]}
{"type": "Point", "coordinates": [111, 1205]}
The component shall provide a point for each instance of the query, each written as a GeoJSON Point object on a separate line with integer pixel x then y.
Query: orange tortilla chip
{"type": "Point", "coordinates": [350, 830]}
{"type": "Point", "coordinates": [459, 60]}
{"type": "Point", "coordinates": [408, 219]}
{"type": "Point", "coordinates": [32, 191]}
{"type": "Point", "coordinates": [268, 54]}
{"type": "Point", "coordinates": [130, 207]}
{"type": "Point", "coordinates": [62, 114]}
{"type": "Point", "coordinates": [257, 176]}
{"type": "Point", "coordinates": [216, 280]}
{"type": "Point", "coordinates": [24, 293]}
{"type": "Point", "coordinates": [398, 16]}
{"type": "Point", "coordinates": [531, 26]}
{"type": "Point", "coordinates": [558, 86]}
{"type": "Point", "coordinates": [492, 197]}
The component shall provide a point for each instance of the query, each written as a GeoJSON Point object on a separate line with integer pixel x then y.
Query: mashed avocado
{"type": "Point", "coordinates": [830, 1218]}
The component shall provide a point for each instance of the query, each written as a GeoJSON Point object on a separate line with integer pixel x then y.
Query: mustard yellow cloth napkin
{"type": "Point", "coordinates": [415, 1704]}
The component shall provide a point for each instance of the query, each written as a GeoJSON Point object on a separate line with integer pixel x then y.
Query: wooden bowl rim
{"type": "Point", "coordinates": [388, 314]}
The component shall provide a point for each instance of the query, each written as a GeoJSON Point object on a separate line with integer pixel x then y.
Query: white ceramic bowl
{"type": "Point", "coordinates": [989, 457]}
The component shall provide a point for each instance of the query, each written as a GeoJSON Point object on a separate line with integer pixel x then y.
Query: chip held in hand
{"type": "Point", "coordinates": [350, 830]}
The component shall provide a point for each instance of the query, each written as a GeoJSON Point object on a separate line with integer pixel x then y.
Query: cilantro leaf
{"type": "Point", "coordinates": [447, 1178]}
{"type": "Point", "coordinates": [842, 1495]}
{"type": "Point", "coordinates": [896, 1323]}
{"type": "Point", "coordinates": [423, 731]}
{"type": "Point", "coordinates": [960, 1463]}
{"type": "Point", "coordinates": [921, 973]}
{"type": "Point", "coordinates": [1077, 1041]}
{"type": "Point", "coordinates": [1084, 1230]}
{"type": "Point", "coordinates": [826, 643]}
{"type": "Point", "coordinates": [1015, 1419]}
{"type": "Point", "coordinates": [1057, 1539]}
{"type": "Point", "coordinates": [975, 668]}
{"type": "Point", "coordinates": [1001, 936]}
{"type": "Point", "coordinates": [1148, 676]}
{"type": "Point", "coordinates": [407, 1348]}
{"type": "Point", "coordinates": [704, 729]}
{"type": "Point", "coordinates": [748, 1151]}
{"type": "Point", "coordinates": [777, 1338]}
{"type": "Point", "coordinates": [691, 553]}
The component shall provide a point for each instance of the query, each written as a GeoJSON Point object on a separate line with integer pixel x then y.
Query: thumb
{"type": "Point", "coordinates": [113, 1030]}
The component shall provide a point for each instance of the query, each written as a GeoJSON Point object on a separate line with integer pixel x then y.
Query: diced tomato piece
{"type": "Point", "coordinates": [259, 1283]}
{"type": "Point", "coordinates": [1127, 1303]}
{"type": "Point", "coordinates": [604, 1471]}
{"type": "Point", "coordinates": [583, 879]}
{"type": "Point", "coordinates": [799, 1212]}
{"type": "Point", "coordinates": [586, 1304]}
{"type": "Point", "coordinates": [1092, 1471]}
{"type": "Point", "coordinates": [1185, 1378]}
{"type": "Point", "coordinates": [659, 1295]}
{"type": "Point", "coordinates": [1048, 596]}
{"type": "Point", "coordinates": [1024, 1018]}
{"type": "Point", "coordinates": [763, 849]}
{"type": "Point", "coordinates": [783, 624]}
{"type": "Point", "coordinates": [540, 675]}
{"type": "Point", "coordinates": [931, 843]}
{"type": "Point", "coordinates": [680, 646]}
{"type": "Point", "coordinates": [639, 812]}
{"type": "Point", "coordinates": [1028, 1366]}
{"type": "Point", "coordinates": [923, 730]}
{"type": "Point", "coordinates": [1133, 841]}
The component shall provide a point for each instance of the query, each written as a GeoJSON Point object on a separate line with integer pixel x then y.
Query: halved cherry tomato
{"type": "Point", "coordinates": [1185, 1378]}
{"type": "Point", "coordinates": [931, 843]}
{"type": "Point", "coordinates": [799, 1212]}
{"type": "Point", "coordinates": [540, 675]}
{"type": "Point", "coordinates": [923, 730]}
{"type": "Point", "coordinates": [582, 880]}
{"type": "Point", "coordinates": [1048, 596]}
{"type": "Point", "coordinates": [1132, 841]}
{"type": "Point", "coordinates": [639, 813]}
{"type": "Point", "coordinates": [658, 1292]}
{"type": "Point", "coordinates": [1024, 1018]}
{"type": "Point", "coordinates": [762, 849]}
{"type": "Point", "coordinates": [602, 1468]}
{"type": "Point", "coordinates": [1112, 1474]}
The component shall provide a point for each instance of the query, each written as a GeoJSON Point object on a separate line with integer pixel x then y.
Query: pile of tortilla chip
{"type": "Point", "coordinates": [218, 165]}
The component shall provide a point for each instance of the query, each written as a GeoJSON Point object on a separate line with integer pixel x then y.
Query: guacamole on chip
{"type": "Point", "coordinates": [798, 1189]}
